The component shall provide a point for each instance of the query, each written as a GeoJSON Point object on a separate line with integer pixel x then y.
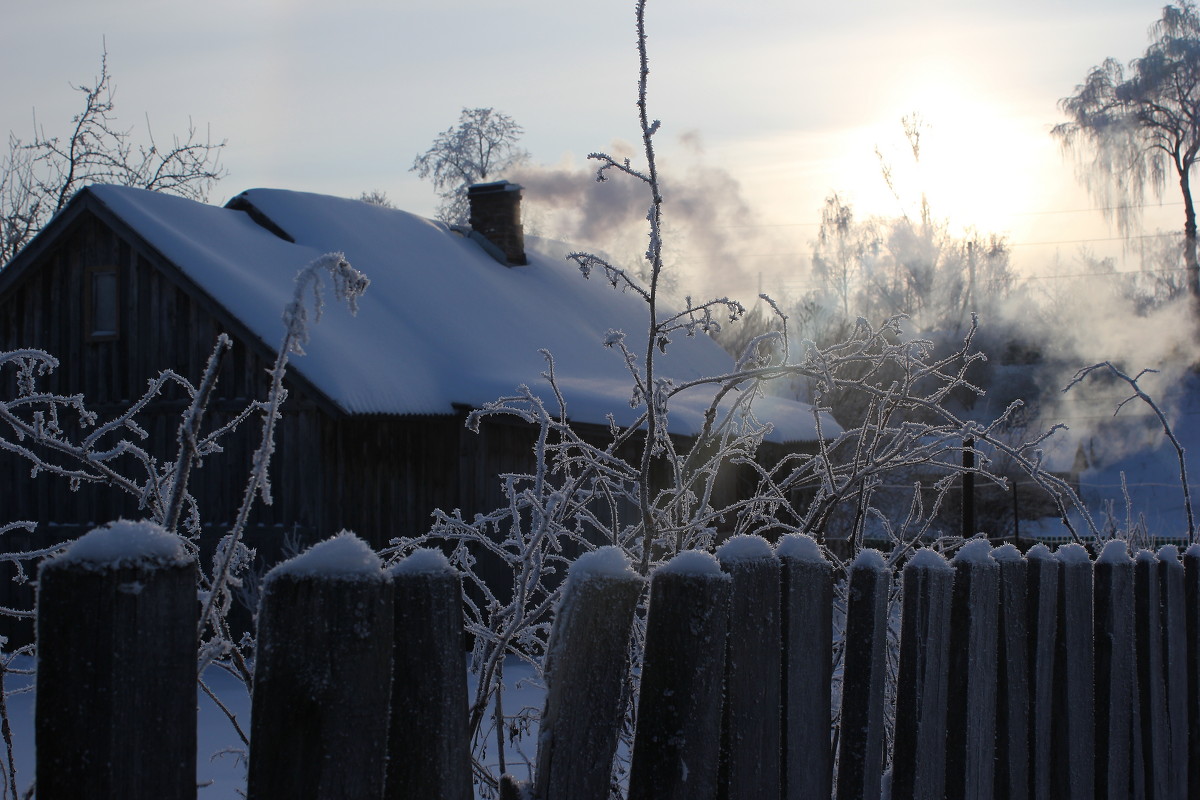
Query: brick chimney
{"type": "Point", "coordinates": [496, 215]}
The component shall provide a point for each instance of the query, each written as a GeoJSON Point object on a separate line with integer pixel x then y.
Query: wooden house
{"type": "Point", "coordinates": [124, 283]}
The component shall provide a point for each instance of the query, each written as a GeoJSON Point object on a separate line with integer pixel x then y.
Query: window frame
{"type": "Point", "coordinates": [90, 299]}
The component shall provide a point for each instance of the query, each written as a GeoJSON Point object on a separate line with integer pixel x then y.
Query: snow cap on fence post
{"type": "Point", "coordinates": [318, 724]}
{"type": "Point", "coordinates": [1115, 671]}
{"type": "Point", "coordinates": [750, 727]}
{"type": "Point", "coordinates": [586, 663]}
{"type": "Point", "coordinates": [919, 752]}
{"type": "Point", "coordinates": [806, 619]}
{"type": "Point", "coordinates": [677, 743]}
{"type": "Point", "coordinates": [124, 543]}
{"type": "Point", "coordinates": [429, 751]}
{"type": "Point", "coordinates": [971, 715]}
{"type": "Point", "coordinates": [1074, 728]}
{"type": "Point", "coordinates": [116, 626]}
{"type": "Point", "coordinates": [860, 745]}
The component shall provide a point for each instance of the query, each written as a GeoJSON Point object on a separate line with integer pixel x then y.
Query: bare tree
{"type": "Point", "coordinates": [39, 176]}
{"type": "Point", "coordinates": [1139, 126]}
{"type": "Point", "coordinates": [482, 145]}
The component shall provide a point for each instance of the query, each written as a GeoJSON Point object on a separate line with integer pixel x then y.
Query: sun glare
{"type": "Point", "coordinates": [971, 159]}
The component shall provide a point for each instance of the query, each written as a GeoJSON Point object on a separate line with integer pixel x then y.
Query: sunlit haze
{"type": "Point", "coordinates": [787, 103]}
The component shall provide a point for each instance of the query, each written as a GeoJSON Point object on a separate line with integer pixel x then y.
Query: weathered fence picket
{"type": "Point", "coordinates": [919, 753]}
{"type": "Point", "coordinates": [806, 617]}
{"type": "Point", "coordinates": [1191, 570]}
{"type": "Point", "coordinates": [1074, 732]}
{"type": "Point", "coordinates": [1113, 597]}
{"type": "Point", "coordinates": [1012, 677]}
{"type": "Point", "coordinates": [322, 678]}
{"type": "Point", "coordinates": [586, 668]}
{"type": "Point", "coordinates": [750, 729]}
{"type": "Point", "coordinates": [971, 718]}
{"type": "Point", "coordinates": [677, 745]}
{"type": "Point", "coordinates": [1041, 601]}
{"type": "Point", "coordinates": [429, 752]}
{"type": "Point", "coordinates": [1174, 628]}
{"type": "Point", "coordinates": [116, 705]}
{"type": "Point", "coordinates": [860, 744]}
{"type": "Point", "coordinates": [1152, 701]}
{"type": "Point", "coordinates": [1040, 676]}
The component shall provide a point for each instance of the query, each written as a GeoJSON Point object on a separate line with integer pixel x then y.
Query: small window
{"type": "Point", "coordinates": [102, 316]}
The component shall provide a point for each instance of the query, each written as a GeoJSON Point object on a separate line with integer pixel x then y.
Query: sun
{"type": "Point", "coordinates": [942, 139]}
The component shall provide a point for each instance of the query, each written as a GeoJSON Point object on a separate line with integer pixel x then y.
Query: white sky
{"type": "Point", "coordinates": [790, 99]}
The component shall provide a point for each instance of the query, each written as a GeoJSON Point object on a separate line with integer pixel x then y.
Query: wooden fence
{"type": "Point", "coordinates": [1036, 676]}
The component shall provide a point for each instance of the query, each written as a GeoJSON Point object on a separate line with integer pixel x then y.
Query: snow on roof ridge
{"type": "Point", "coordinates": [124, 543]}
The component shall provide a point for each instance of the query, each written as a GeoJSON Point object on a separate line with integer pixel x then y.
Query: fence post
{"type": "Point", "coordinates": [1012, 680]}
{"type": "Point", "coordinates": [429, 752]}
{"type": "Point", "coordinates": [1191, 569]}
{"type": "Point", "coordinates": [1115, 672]}
{"type": "Point", "coordinates": [116, 704]}
{"type": "Point", "coordinates": [1152, 703]}
{"type": "Point", "coordinates": [971, 717]}
{"type": "Point", "coordinates": [677, 745]}
{"type": "Point", "coordinates": [322, 678]}
{"type": "Point", "coordinates": [1074, 771]}
{"type": "Point", "coordinates": [586, 665]}
{"type": "Point", "coordinates": [919, 753]}
{"type": "Point", "coordinates": [806, 622]}
{"type": "Point", "coordinates": [750, 727]}
{"type": "Point", "coordinates": [1042, 607]}
{"type": "Point", "coordinates": [1174, 628]}
{"type": "Point", "coordinates": [860, 746]}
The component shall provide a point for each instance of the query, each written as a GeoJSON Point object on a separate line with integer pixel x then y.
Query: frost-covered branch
{"type": "Point", "coordinates": [1168, 430]}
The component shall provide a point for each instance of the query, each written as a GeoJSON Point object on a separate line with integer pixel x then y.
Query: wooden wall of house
{"type": "Point", "coordinates": [161, 326]}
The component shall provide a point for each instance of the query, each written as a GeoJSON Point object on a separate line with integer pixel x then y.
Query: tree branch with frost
{"type": "Point", "coordinates": [1168, 430]}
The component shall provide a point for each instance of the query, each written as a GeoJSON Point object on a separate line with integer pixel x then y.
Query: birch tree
{"type": "Point", "coordinates": [1139, 126]}
{"type": "Point", "coordinates": [481, 146]}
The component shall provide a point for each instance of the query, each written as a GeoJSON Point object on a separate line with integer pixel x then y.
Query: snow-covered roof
{"type": "Point", "coordinates": [442, 323]}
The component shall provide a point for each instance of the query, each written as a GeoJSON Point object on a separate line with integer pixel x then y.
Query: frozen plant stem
{"type": "Point", "coordinates": [349, 284]}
